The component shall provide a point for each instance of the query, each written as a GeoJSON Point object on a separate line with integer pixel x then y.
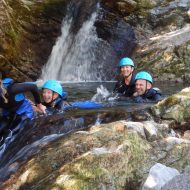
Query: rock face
{"type": "Point", "coordinates": [108, 156]}
{"type": "Point", "coordinates": [164, 51]}
{"type": "Point", "coordinates": [162, 33]}
{"type": "Point", "coordinates": [158, 176]}
{"type": "Point", "coordinates": [28, 32]}
{"type": "Point", "coordinates": [161, 37]}
{"type": "Point", "coordinates": [180, 182]}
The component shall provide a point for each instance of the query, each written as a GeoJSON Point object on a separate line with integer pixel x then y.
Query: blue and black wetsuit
{"type": "Point", "coordinates": [123, 89]}
{"type": "Point", "coordinates": [153, 94]}
{"type": "Point", "coordinates": [18, 108]}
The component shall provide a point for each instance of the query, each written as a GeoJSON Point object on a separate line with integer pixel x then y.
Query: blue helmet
{"type": "Point", "coordinates": [7, 82]}
{"type": "Point", "coordinates": [144, 75]}
{"type": "Point", "coordinates": [55, 86]}
{"type": "Point", "coordinates": [126, 61]}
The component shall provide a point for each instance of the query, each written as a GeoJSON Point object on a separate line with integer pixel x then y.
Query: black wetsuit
{"type": "Point", "coordinates": [57, 104]}
{"type": "Point", "coordinates": [152, 94]}
{"type": "Point", "coordinates": [123, 89]}
{"type": "Point", "coordinates": [18, 107]}
{"type": "Point", "coordinates": [13, 90]}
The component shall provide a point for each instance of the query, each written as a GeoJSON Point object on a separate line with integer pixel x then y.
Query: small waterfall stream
{"type": "Point", "coordinates": [81, 56]}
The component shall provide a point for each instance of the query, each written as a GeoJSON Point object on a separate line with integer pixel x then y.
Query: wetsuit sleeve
{"type": "Point", "coordinates": [157, 97]}
{"type": "Point", "coordinates": [154, 94]}
{"type": "Point", "coordinates": [26, 87]}
{"type": "Point", "coordinates": [139, 99]}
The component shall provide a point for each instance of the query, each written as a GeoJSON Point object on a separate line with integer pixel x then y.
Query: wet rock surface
{"type": "Point", "coordinates": [115, 155]}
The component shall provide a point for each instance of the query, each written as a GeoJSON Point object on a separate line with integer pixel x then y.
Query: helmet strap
{"type": "Point", "coordinates": [146, 87]}
{"type": "Point", "coordinates": [128, 75]}
{"type": "Point", "coordinates": [52, 97]}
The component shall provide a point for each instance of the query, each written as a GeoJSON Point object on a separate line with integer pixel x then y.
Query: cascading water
{"type": "Point", "coordinates": [81, 56]}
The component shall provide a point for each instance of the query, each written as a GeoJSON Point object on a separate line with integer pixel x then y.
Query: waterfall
{"type": "Point", "coordinates": [81, 56]}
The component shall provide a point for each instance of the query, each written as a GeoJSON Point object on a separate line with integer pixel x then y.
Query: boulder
{"type": "Point", "coordinates": [158, 176]}
{"type": "Point", "coordinates": [176, 108]}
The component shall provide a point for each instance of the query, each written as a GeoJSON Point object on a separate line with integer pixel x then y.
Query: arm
{"type": "Point", "coordinates": [139, 99]}
{"type": "Point", "coordinates": [154, 94]}
{"type": "Point", "coordinates": [25, 87]}
{"type": "Point", "coordinates": [157, 97]}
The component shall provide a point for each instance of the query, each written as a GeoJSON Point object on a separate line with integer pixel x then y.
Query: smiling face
{"type": "Point", "coordinates": [49, 95]}
{"type": "Point", "coordinates": [126, 70]}
{"type": "Point", "coordinates": [141, 86]}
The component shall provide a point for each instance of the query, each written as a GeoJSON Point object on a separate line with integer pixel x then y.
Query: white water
{"type": "Point", "coordinates": [78, 57]}
{"type": "Point", "coordinates": [103, 95]}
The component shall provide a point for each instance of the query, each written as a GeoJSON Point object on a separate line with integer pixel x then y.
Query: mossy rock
{"type": "Point", "coordinates": [175, 107]}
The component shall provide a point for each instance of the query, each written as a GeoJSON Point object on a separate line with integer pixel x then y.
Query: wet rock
{"type": "Point", "coordinates": [25, 27]}
{"type": "Point", "coordinates": [112, 156]}
{"type": "Point", "coordinates": [187, 135]}
{"type": "Point", "coordinates": [108, 151]}
{"type": "Point", "coordinates": [150, 131]}
{"type": "Point", "coordinates": [142, 115]}
{"type": "Point", "coordinates": [181, 182]}
{"type": "Point", "coordinates": [118, 33]}
{"type": "Point", "coordinates": [159, 175]}
{"type": "Point", "coordinates": [175, 107]}
{"type": "Point", "coordinates": [172, 141]}
{"type": "Point", "coordinates": [167, 62]}
{"type": "Point", "coordinates": [136, 126]}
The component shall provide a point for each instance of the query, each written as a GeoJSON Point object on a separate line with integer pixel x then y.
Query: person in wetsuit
{"type": "Point", "coordinates": [15, 107]}
{"type": "Point", "coordinates": [53, 95]}
{"type": "Point", "coordinates": [125, 86]}
{"type": "Point", "coordinates": [144, 90]}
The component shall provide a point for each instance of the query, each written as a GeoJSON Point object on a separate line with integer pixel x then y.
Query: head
{"type": "Point", "coordinates": [51, 90]}
{"type": "Point", "coordinates": [143, 82]}
{"type": "Point", "coordinates": [126, 67]}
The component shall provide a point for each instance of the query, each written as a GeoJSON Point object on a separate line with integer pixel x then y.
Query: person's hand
{"type": "Point", "coordinates": [42, 108]}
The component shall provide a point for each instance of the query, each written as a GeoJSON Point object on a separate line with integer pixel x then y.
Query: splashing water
{"type": "Point", "coordinates": [103, 94]}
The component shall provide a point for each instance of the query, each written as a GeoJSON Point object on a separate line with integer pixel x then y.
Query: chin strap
{"type": "Point", "coordinates": [128, 75]}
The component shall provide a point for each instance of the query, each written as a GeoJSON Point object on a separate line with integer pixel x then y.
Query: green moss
{"type": "Point", "coordinates": [145, 4]}
{"type": "Point", "coordinates": [13, 35]}
{"type": "Point", "coordinates": [170, 101]}
{"type": "Point", "coordinates": [91, 171]}
{"type": "Point", "coordinates": [178, 157]}
{"type": "Point", "coordinates": [187, 114]}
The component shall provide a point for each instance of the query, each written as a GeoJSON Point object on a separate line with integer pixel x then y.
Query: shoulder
{"type": "Point", "coordinates": [154, 93]}
{"type": "Point", "coordinates": [155, 90]}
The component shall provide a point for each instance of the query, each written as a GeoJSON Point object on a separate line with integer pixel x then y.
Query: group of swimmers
{"type": "Point", "coordinates": [16, 107]}
{"type": "Point", "coordinates": [138, 86]}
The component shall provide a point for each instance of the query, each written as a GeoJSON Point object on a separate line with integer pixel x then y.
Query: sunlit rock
{"type": "Point", "coordinates": [159, 175]}
{"type": "Point", "coordinates": [175, 107]}
{"type": "Point", "coordinates": [181, 182]}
